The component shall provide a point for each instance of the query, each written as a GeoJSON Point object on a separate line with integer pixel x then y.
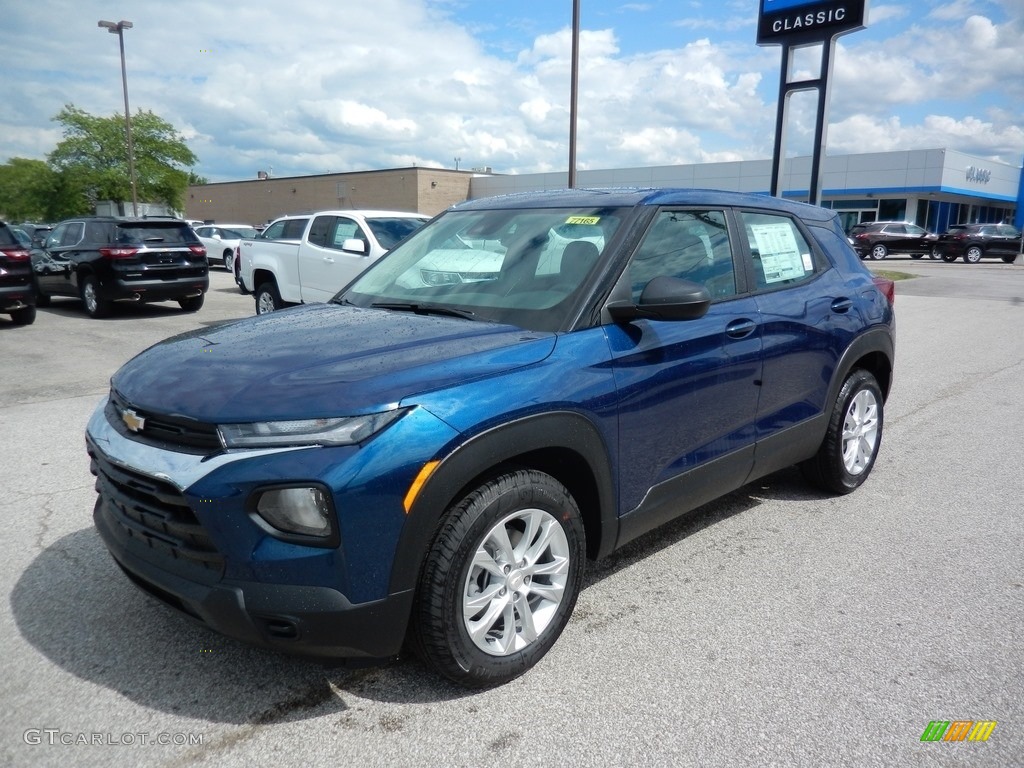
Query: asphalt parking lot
{"type": "Point", "coordinates": [776, 626]}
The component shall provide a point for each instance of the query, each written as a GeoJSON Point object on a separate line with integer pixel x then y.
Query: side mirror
{"type": "Point", "coordinates": [665, 298]}
{"type": "Point", "coordinates": [354, 245]}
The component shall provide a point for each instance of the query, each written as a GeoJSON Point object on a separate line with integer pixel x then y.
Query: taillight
{"type": "Point", "coordinates": [118, 253]}
{"type": "Point", "coordinates": [198, 250]}
{"type": "Point", "coordinates": [886, 286]}
{"type": "Point", "coordinates": [15, 254]}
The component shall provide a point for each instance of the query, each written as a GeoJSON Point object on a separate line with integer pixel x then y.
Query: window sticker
{"type": "Point", "coordinates": [780, 255]}
{"type": "Point", "coordinates": [583, 220]}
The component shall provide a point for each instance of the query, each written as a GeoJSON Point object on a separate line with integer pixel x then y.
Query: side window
{"type": "Point", "coordinates": [73, 234]}
{"type": "Point", "coordinates": [56, 236]}
{"type": "Point", "coordinates": [274, 231]}
{"type": "Point", "coordinates": [780, 253]}
{"type": "Point", "coordinates": [293, 229]}
{"type": "Point", "coordinates": [319, 230]}
{"type": "Point", "coordinates": [691, 245]}
{"type": "Point", "coordinates": [97, 233]}
{"type": "Point", "coordinates": [346, 229]}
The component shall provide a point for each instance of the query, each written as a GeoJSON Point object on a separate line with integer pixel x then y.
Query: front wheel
{"type": "Point", "coordinates": [879, 252]}
{"type": "Point", "coordinates": [500, 581]}
{"type": "Point", "coordinates": [268, 299]}
{"type": "Point", "coordinates": [972, 255]}
{"type": "Point", "coordinates": [1009, 259]}
{"type": "Point", "coordinates": [229, 261]}
{"type": "Point", "coordinates": [854, 434]}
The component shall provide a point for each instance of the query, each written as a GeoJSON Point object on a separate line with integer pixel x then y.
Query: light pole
{"type": "Point", "coordinates": [573, 90]}
{"type": "Point", "coordinates": [118, 29]}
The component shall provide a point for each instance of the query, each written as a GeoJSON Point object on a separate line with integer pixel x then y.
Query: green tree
{"type": "Point", "coordinates": [92, 160]}
{"type": "Point", "coordinates": [27, 188]}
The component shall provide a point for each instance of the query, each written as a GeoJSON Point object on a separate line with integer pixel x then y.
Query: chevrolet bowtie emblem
{"type": "Point", "coordinates": [132, 420]}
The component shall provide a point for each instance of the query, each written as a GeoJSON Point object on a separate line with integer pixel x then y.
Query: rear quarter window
{"type": "Point", "coordinates": [781, 254]}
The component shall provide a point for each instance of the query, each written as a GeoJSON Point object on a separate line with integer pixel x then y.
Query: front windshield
{"type": "Point", "coordinates": [522, 267]}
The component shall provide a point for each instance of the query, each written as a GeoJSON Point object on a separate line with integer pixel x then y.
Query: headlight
{"type": "Point", "coordinates": [436, 277]}
{"type": "Point", "coordinates": [346, 430]}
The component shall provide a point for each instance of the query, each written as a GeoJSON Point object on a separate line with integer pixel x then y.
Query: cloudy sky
{"type": "Point", "coordinates": [314, 86]}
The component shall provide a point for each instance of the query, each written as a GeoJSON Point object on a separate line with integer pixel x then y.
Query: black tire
{"type": "Point", "coordinates": [973, 254]}
{"type": "Point", "coordinates": [192, 303]}
{"type": "Point", "coordinates": [23, 316]}
{"type": "Point", "coordinates": [541, 520]}
{"type": "Point", "coordinates": [268, 299]}
{"type": "Point", "coordinates": [1009, 259]}
{"type": "Point", "coordinates": [229, 261]}
{"type": "Point", "coordinates": [848, 452]}
{"type": "Point", "coordinates": [42, 299]}
{"type": "Point", "coordinates": [95, 307]}
{"type": "Point", "coordinates": [878, 251]}
{"type": "Point", "coordinates": [949, 258]}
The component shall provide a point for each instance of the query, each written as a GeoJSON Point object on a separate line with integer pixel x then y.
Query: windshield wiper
{"type": "Point", "coordinates": [425, 309]}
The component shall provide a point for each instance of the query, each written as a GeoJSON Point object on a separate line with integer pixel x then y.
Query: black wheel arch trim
{"type": "Point", "coordinates": [873, 343]}
{"type": "Point", "coordinates": [562, 443]}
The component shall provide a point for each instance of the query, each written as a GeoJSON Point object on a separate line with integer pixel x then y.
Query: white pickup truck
{"type": "Point", "coordinates": [307, 258]}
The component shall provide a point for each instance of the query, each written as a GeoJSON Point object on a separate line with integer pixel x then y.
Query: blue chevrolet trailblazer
{"type": "Point", "coordinates": [528, 381]}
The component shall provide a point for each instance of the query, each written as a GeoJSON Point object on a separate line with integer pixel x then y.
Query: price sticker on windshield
{"type": "Point", "coordinates": [583, 220]}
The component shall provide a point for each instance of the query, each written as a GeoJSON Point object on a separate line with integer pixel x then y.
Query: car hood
{"type": "Point", "coordinates": [319, 360]}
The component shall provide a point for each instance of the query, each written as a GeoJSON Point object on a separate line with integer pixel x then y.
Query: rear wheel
{"type": "Point", "coordinates": [268, 299]}
{"type": "Point", "coordinates": [972, 255]}
{"type": "Point", "coordinates": [229, 261]}
{"type": "Point", "coordinates": [500, 581]}
{"type": "Point", "coordinates": [192, 303]}
{"type": "Point", "coordinates": [879, 251]}
{"type": "Point", "coordinates": [854, 434]}
{"type": "Point", "coordinates": [1009, 259]}
{"type": "Point", "coordinates": [95, 307]}
{"type": "Point", "coordinates": [24, 316]}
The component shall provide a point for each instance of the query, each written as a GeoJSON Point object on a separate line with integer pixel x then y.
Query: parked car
{"type": "Point", "coordinates": [37, 232]}
{"type": "Point", "coordinates": [105, 259]}
{"type": "Point", "coordinates": [221, 240]}
{"type": "Point", "coordinates": [23, 237]}
{"type": "Point", "coordinates": [17, 291]}
{"type": "Point", "coordinates": [310, 257]}
{"type": "Point", "coordinates": [973, 242]}
{"type": "Point", "coordinates": [434, 461]}
{"type": "Point", "coordinates": [877, 239]}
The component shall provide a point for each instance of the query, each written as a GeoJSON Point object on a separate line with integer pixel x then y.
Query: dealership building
{"type": "Point", "coordinates": [931, 187]}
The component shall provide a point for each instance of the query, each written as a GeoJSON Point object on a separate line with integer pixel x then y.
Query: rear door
{"type": "Point", "coordinates": [808, 314]}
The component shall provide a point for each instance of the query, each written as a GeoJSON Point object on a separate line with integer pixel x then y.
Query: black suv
{"type": "Point", "coordinates": [877, 239]}
{"type": "Point", "coordinates": [17, 294]}
{"type": "Point", "coordinates": [974, 241]}
{"type": "Point", "coordinates": [105, 259]}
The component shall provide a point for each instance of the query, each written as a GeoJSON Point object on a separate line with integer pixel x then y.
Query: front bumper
{"type": "Point", "coordinates": [292, 600]}
{"type": "Point", "coordinates": [304, 620]}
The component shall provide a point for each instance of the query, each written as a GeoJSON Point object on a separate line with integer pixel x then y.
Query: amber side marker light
{"type": "Point", "coordinates": [417, 484]}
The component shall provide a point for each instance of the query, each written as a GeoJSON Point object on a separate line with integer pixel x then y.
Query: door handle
{"type": "Point", "coordinates": [328, 260]}
{"type": "Point", "coordinates": [741, 328]}
{"type": "Point", "coordinates": [842, 305]}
